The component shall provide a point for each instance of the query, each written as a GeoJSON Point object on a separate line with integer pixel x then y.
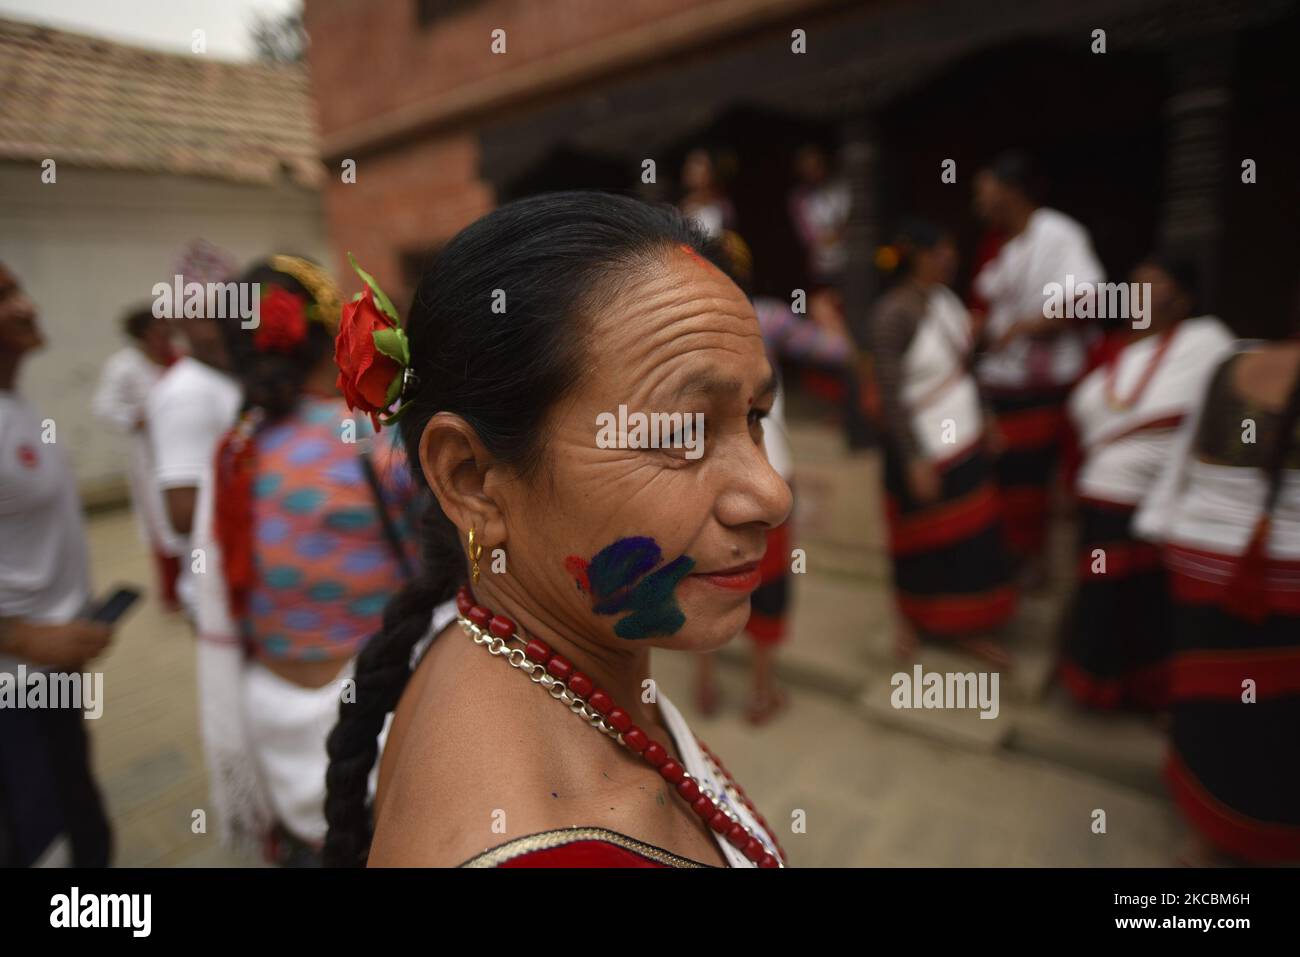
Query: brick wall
{"type": "Point", "coordinates": [372, 58]}
{"type": "Point", "coordinates": [403, 201]}
{"type": "Point", "coordinates": [405, 102]}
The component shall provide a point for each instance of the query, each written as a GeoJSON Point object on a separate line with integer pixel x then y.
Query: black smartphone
{"type": "Point", "coordinates": [115, 605]}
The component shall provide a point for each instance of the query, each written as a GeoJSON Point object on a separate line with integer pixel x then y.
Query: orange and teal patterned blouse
{"type": "Point", "coordinates": [324, 568]}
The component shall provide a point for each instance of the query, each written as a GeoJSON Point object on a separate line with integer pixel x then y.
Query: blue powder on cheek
{"type": "Point", "coordinates": [617, 566]}
{"type": "Point", "coordinates": [613, 576]}
{"type": "Point", "coordinates": [654, 607]}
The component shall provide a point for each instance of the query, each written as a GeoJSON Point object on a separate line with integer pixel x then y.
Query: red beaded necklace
{"type": "Point", "coordinates": [1112, 373]}
{"type": "Point", "coordinates": [565, 683]}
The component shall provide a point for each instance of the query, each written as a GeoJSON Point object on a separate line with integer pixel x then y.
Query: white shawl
{"type": "Point", "coordinates": [1125, 448]}
{"type": "Point", "coordinates": [940, 395]}
{"type": "Point", "coordinates": [707, 775]}
{"type": "Point", "coordinates": [1215, 508]}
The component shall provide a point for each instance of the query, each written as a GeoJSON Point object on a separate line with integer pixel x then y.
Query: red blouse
{"type": "Point", "coordinates": [579, 847]}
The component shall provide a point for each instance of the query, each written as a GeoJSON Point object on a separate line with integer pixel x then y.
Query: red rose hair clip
{"type": "Point", "coordinates": [282, 321]}
{"type": "Point", "coordinates": [372, 353]}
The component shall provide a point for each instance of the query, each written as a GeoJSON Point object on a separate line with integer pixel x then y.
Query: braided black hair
{"type": "Point", "coordinates": [555, 257]}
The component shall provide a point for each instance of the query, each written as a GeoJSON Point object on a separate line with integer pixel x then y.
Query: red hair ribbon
{"type": "Point", "coordinates": [233, 513]}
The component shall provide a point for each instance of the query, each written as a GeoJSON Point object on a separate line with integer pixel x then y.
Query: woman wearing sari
{"type": "Point", "coordinates": [1125, 414]}
{"type": "Point", "coordinates": [952, 579]}
{"type": "Point", "coordinates": [529, 732]}
{"type": "Point", "coordinates": [1227, 510]}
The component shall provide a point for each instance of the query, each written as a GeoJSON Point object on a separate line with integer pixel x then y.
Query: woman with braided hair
{"type": "Point", "coordinates": [307, 519]}
{"type": "Point", "coordinates": [582, 391]}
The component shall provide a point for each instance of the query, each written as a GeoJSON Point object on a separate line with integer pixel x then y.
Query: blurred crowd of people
{"type": "Point", "coordinates": [279, 530]}
{"type": "Point", "coordinates": [1171, 445]}
{"type": "Point", "coordinates": [280, 525]}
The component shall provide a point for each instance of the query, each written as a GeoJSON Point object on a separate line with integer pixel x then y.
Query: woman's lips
{"type": "Point", "coordinates": [740, 578]}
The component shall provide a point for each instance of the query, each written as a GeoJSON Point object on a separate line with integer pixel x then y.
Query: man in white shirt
{"type": "Point", "coordinates": [46, 785]}
{"type": "Point", "coordinates": [119, 401]}
{"type": "Point", "coordinates": [189, 409]}
{"type": "Point", "coordinates": [1033, 357]}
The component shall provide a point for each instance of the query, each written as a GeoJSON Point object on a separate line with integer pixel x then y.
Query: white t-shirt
{"type": "Point", "coordinates": [189, 410]}
{"type": "Point", "coordinates": [124, 386]}
{"type": "Point", "coordinates": [1051, 248]}
{"type": "Point", "coordinates": [44, 571]}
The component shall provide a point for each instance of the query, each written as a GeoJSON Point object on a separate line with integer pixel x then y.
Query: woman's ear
{"type": "Point", "coordinates": [456, 466]}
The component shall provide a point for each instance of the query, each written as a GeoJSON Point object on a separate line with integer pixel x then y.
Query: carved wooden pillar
{"type": "Point", "coordinates": [859, 164]}
{"type": "Point", "coordinates": [1196, 161]}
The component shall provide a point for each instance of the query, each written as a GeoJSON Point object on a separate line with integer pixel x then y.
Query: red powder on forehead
{"type": "Point", "coordinates": [690, 251]}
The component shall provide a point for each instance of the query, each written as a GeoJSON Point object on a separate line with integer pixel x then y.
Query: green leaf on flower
{"type": "Point", "coordinates": [394, 390]}
{"type": "Point", "coordinates": [381, 300]}
{"type": "Point", "coordinates": [392, 343]}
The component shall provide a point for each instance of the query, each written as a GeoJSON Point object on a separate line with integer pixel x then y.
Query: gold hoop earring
{"type": "Point", "coordinates": [475, 551]}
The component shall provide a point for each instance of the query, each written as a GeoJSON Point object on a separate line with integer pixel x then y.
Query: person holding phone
{"type": "Point", "coordinates": [47, 788]}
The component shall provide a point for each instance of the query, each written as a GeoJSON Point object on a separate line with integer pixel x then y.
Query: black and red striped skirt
{"type": "Point", "coordinates": [771, 600]}
{"type": "Point", "coordinates": [1116, 643]}
{"type": "Point", "coordinates": [1234, 685]}
{"type": "Point", "coordinates": [1033, 426]}
{"type": "Point", "coordinates": [952, 576]}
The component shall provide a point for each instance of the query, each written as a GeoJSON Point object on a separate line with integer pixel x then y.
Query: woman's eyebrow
{"type": "Point", "coordinates": [708, 383]}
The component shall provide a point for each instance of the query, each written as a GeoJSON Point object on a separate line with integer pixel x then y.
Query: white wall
{"type": "Point", "coordinates": [92, 244]}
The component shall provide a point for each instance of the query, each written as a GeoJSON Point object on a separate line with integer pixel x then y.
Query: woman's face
{"type": "Point", "coordinates": [989, 198]}
{"type": "Point", "coordinates": [1165, 300]}
{"type": "Point", "coordinates": [20, 332]}
{"type": "Point", "coordinates": [938, 263]}
{"type": "Point", "coordinates": [626, 543]}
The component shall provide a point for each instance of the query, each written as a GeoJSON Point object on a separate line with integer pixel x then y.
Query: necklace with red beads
{"type": "Point", "coordinates": [571, 687]}
{"type": "Point", "coordinates": [1113, 399]}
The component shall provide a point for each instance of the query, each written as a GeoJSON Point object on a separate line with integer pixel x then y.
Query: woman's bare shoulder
{"type": "Point", "coordinates": [464, 768]}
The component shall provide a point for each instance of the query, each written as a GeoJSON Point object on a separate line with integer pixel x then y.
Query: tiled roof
{"type": "Point", "coordinates": [90, 102]}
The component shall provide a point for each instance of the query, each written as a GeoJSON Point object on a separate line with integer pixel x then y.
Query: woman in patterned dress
{"type": "Point", "coordinates": [308, 516]}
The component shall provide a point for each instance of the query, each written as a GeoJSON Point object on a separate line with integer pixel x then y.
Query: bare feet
{"type": "Point", "coordinates": [762, 709]}
{"type": "Point", "coordinates": [988, 649]}
{"type": "Point", "coordinates": [707, 699]}
{"type": "Point", "coordinates": [906, 640]}
{"type": "Point", "coordinates": [907, 643]}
